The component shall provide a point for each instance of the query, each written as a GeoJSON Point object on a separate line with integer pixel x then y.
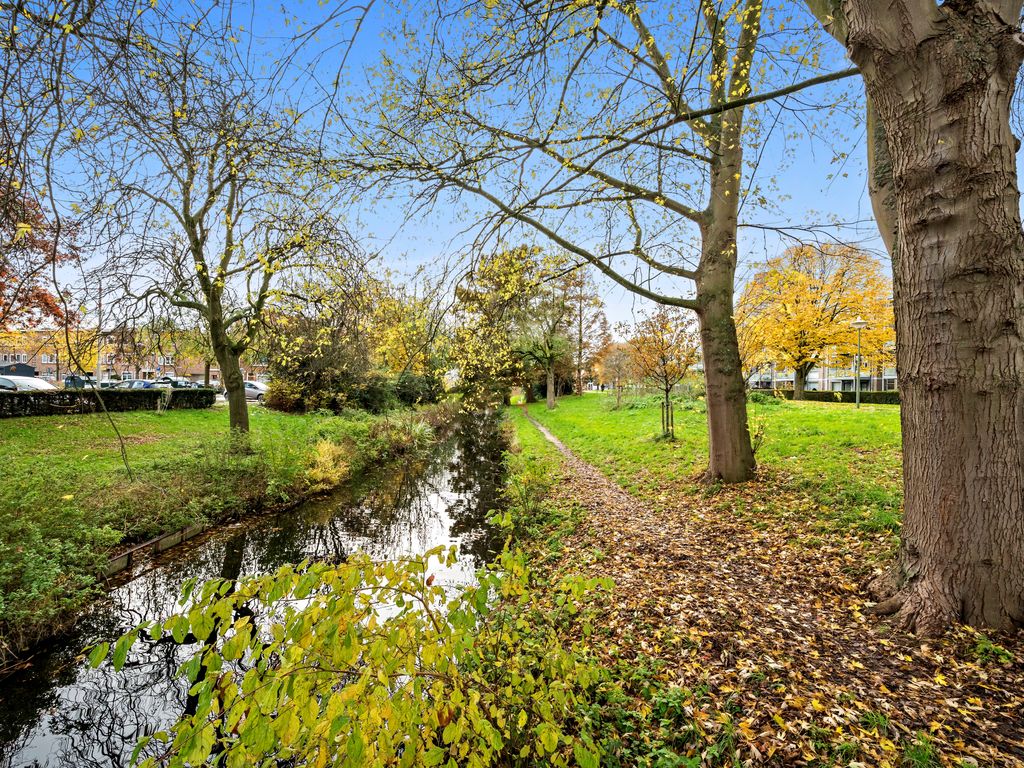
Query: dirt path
{"type": "Point", "coordinates": [775, 630]}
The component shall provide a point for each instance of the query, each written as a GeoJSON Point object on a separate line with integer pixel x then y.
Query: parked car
{"type": "Point", "coordinates": [77, 381]}
{"type": "Point", "coordinates": [24, 384]}
{"type": "Point", "coordinates": [254, 390]}
{"type": "Point", "coordinates": [135, 384]}
{"type": "Point", "coordinates": [172, 382]}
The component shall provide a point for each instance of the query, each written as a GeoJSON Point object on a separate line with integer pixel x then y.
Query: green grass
{"type": "Point", "coordinates": [844, 461]}
{"type": "Point", "coordinates": [67, 499]}
{"type": "Point", "coordinates": [538, 523]}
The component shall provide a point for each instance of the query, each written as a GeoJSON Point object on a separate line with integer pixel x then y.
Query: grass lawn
{"type": "Point", "coordinates": [67, 500]}
{"type": "Point", "coordinates": [841, 463]}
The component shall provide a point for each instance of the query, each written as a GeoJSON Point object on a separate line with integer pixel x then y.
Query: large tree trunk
{"type": "Point", "coordinates": [941, 85]}
{"type": "Point", "coordinates": [234, 385]}
{"type": "Point", "coordinates": [551, 388]}
{"type": "Point", "coordinates": [529, 393]}
{"type": "Point", "coordinates": [730, 456]}
{"type": "Point", "coordinates": [799, 382]}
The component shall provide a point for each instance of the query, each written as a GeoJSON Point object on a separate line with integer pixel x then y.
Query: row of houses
{"type": "Point", "coordinates": [116, 355]}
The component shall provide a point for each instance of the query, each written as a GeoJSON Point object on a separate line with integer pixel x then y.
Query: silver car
{"type": "Point", "coordinates": [254, 390]}
{"type": "Point", "coordinates": [24, 384]}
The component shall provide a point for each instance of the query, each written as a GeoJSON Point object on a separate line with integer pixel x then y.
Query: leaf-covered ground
{"type": "Point", "coordinates": [744, 608]}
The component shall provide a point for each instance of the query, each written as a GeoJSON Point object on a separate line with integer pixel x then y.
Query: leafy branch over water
{"type": "Point", "coordinates": [376, 663]}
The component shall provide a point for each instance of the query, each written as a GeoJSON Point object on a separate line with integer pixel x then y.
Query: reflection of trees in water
{"type": "Point", "coordinates": [70, 715]}
{"type": "Point", "coordinates": [99, 719]}
{"type": "Point", "coordinates": [478, 476]}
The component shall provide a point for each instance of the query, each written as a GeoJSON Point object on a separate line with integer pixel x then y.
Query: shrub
{"type": "Point", "coordinates": [329, 467]}
{"type": "Point", "coordinates": [373, 392]}
{"type": "Point", "coordinates": [681, 402]}
{"type": "Point", "coordinates": [189, 398]}
{"type": "Point", "coordinates": [284, 396]}
{"type": "Point", "coordinates": [486, 678]}
{"type": "Point", "coordinates": [415, 388]}
{"type": "Point", "coordinates": [68, 401]}
{"type": "Point", "coordinates": [872, 398]}
{"type": "Point", "coordinates": [762, 398]}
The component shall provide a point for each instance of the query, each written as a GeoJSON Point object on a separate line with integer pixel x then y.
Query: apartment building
{"type": "Point", "coordinates": [882, 379]}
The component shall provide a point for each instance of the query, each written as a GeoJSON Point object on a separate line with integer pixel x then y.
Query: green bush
{"type": "Point", "coordinates": [874, 398]}
{"type": "Point", "coordinates": [285, 396]}
{"type": "Point", "coordinates": [64, 402]}
{"type": "Point", "coordinates": [486, 678]}
{"type": "Point", "coordinates": [415, 388]}
{"type": "Point", "coordinates": [373, 392]}
{"type": "Point", "coordinates": [203, 397]}
{"type": "Point", "coordinates": [680, 401]}
{"type": "Point", "coordinates": [762, 398]}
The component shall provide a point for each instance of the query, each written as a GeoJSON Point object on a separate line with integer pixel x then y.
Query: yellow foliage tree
{"type": "Point", "coordinates": [663, 347]}
{"type": "Point", "coordinates": [801, 305]}
{"type": "Point", "coordinates": [489, 305]}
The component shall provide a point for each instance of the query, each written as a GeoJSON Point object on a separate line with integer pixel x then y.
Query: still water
{"type": "Point", "coordinates": [59, 712]}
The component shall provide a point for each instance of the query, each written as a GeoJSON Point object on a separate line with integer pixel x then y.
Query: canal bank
{"type": "Point", "coordinates": [71, 510]}
{"type": "Point", "coordinates": [61, 712]}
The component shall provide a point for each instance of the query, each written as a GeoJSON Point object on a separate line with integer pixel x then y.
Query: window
{"type": "Point", "coordinates": [110, 358]}
{"type": "Point", "coordinates": [48, 357]}
{"type": "Point", "coordinates": [126, 376]}
{"type": "Point", "coordinates": [167, 360]}
{"type": "Point", "coordinates": [21, 357]}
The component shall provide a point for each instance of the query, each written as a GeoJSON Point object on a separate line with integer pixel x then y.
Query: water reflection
{"type": "Point", "coordinates": [61, 713]}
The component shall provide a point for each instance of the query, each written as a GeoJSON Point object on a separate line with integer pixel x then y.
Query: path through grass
{"type": "Point", "coordinates": [844, 460]}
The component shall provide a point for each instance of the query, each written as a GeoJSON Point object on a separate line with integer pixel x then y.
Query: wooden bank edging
{"type": "Point", "coordinates": [154, 546]}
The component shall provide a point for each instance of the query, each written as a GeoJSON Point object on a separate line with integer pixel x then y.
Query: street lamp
{"type": "Point", "coordinates": [860, 324]}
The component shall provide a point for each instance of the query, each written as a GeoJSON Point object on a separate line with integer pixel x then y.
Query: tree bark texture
{"type": "Point", "coordinates": [551, 388]}
{"type": "Point", "coordinates": [234, 386]}
{"type": "Point", "coordinates": [940, 80]}
{"type": "Point", "coordinates": [730, 455]}
{"type": "Point", "coordinates": [800, 381]}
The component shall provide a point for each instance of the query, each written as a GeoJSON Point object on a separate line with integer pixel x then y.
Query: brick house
{"type": "Point", "coordinates": [52, 354]}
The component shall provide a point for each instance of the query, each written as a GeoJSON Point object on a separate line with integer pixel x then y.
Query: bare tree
{"type": "Point", "coordinates": [615, 131]}
{"type": "Point", "coordinates": [213, 186]}
{"type": "Point", "coordinates": [940, 80]}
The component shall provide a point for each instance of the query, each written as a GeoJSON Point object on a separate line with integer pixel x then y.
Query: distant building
{"type": "Point", "coordinates": [53, 354]}
{"type": "Point", "coordinates": [826, 379]}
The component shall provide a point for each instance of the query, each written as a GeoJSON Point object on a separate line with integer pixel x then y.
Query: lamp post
{"type": "Point", "coordinates": [860, 324]}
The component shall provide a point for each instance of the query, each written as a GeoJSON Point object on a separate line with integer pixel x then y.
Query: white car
{"type": "Point", "coordinates": [24, 384]}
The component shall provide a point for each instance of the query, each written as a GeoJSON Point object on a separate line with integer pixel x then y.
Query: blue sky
{"type": "Point", "coordinates": [811, 187]}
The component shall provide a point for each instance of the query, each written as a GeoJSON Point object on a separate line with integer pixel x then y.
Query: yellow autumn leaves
{"type": "Point", "coordinates": [799, 307]}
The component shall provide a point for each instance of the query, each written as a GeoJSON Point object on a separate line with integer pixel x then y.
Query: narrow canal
{"type": "Point", "coordinates": [60, 712]}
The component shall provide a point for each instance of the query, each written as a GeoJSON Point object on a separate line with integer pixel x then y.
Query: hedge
{"type": "Point", "coordinates": [65, 401]}
{"type": "Point", "coordinates": [891, 397]}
